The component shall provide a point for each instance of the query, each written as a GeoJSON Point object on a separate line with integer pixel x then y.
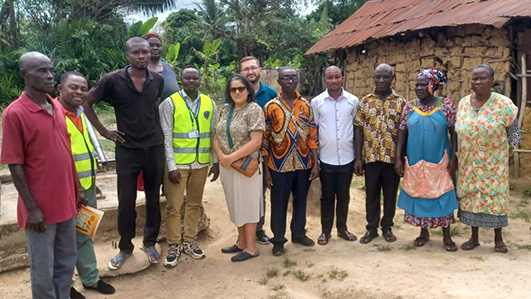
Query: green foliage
{"type": "Point", "coordinates": [11, 83]}
{"type": "Point", "coordinates": [337, 11]}
{"type": "Point", "coordinates": [338, 274]}
{"type": "Point", "coordinates": [173, 53]}
{"type": "Point", "coordinates": [526, 191]}
{"type": "Point", "coordinates": [289, 263]}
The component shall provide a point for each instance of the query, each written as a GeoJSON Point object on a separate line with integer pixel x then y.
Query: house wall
{"type": "Point", "coordinates": [454, 50]}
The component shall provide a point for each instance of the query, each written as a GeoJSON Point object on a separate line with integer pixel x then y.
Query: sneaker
{"type": "Point", "coordinates": [193, 250]}
{"type": "Point", "coordinates": [74, 294]}
{"type": "Point", "coordinates": [278, 249]}
{"type": "Point", "coordinates": [174, 252]}
{"type": "Point", "coordinates": [262, 237]}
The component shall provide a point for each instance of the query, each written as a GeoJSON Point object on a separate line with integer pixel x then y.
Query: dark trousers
{"type": "Point", "coordinates": [286, 183]}
{"type": "Point", "coordinates": [380, 176]}
{"type": "Point", "coordinates": [335, 182]}
{"type": "Point", "coordinates": [129, 163]}
{"type": "Point", "coordinates": [260, 224]}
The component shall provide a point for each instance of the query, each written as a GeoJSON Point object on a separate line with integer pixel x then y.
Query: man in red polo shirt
{"type": "Point", "coordinates": [36, 145]}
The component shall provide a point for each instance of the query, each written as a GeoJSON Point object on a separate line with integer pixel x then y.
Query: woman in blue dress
{"type": "Point", "coordinates": [427, 159]}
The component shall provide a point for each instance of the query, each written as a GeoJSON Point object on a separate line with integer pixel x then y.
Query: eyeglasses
{"type": "Point", "coordinates": [251, 68]}
{"type": "Point", "coordinates": [240, 89]}
{"type": "Point", "coordinates": [287, 79]}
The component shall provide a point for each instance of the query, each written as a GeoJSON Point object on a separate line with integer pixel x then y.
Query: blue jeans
{"type": "Point", "coordinates": [52, 256]}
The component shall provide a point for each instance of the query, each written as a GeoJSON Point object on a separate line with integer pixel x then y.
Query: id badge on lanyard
{"type": "Point", "coordinates": [193, 133]}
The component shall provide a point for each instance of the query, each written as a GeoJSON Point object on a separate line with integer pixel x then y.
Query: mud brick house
{"type": "Point", "coordinates": [452, 35]}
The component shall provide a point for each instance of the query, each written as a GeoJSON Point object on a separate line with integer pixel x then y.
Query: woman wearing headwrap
{"type": "Point", "coordinates": [483, 126]}
{"type": "Point", "coordinates": [426, 159]}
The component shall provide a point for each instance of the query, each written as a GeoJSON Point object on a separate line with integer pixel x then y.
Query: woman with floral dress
{"type": "Point", "coordinates": [483, 151]}
{"type": "Point", "coordinates": [239, 134]}
{"type": "Point", "coordinates": [426, 160]}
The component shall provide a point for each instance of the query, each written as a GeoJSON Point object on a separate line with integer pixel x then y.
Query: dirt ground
{"type": "Point", "coordinates": [340, 269]}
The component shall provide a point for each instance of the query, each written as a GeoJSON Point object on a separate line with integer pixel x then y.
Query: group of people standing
{"type": "Point", "coordinates": [261, 140]}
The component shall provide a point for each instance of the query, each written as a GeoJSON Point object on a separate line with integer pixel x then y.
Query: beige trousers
{"type": "Point", "coordinates": [194, 182]}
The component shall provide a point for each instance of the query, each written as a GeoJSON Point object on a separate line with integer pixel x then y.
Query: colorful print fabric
{"type": "Point", "coordinates": [483, 154]}
{"type": "Point", "coordinates": [290, 134]}
{"type": "Point", "coordinates": [379, 120]}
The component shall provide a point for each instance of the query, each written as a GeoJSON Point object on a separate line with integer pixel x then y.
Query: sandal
{"type": "Point", "coordinates": [469, 245]}
{"type": "Point", "coordinates": [152, 253]}
{"type": "Point", "coordinates": [420, 241]}
{"type": "Point", "coordinates": [118, 261]}
{"type": "Point", "coordinates": [501, 248]}
{"type": "Point", "coordinates": [450, 246]}
{"type": "Point", "coordinates": [367, 238]}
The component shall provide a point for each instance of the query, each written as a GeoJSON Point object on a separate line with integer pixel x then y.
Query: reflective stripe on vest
{"type": "Point", "coordinates": [82, 152]}
{"type": "Point", "coordinates": [187, 150]}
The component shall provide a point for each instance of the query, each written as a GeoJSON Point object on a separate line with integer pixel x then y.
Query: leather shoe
{"type": "Point", "coordinates": [323, 239]}
{"type": "Point", "coordinates": [278, 249]}
{"type": "Point", "coordinates": [231, 249]}
{"type": "Point", "coordinates": [388, 235]}
{"type": "Point", "coordinates": [243, 256]}
{"type": "Point", "coordinates": [102, 287]}
{"type": "Point", "coordinates": [347, 235]}
{"type": "Point", "coordinates": [74, 294]}
{"type": "Point", "coordinates": [303, 241]}
{"type": "Point", "coordinates": [367, 238]}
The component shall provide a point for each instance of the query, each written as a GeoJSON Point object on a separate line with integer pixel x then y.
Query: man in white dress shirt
{"type": "Point", "coordinates": [334, 112]}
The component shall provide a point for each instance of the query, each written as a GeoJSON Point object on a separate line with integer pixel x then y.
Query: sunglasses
{"type": "Point", "coordinates": [239, 89]}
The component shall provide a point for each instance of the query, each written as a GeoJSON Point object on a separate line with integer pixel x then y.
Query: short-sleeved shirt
{"type": "Point", "coordinates": [244, 121]}
{"type": "Point", "coordinates": [136, 112]}
{"type": "Point", "coordinates": [447, 108]}
{"type": "Point", "coordinates": [40, 142]}
{"type": "Point", "coordinates": [334, 121]}
{"type": "Point", "coordinates": [290, 134]}
{"type": "Point", "coordinates": [265, 94]}
{"type": "Point", "coordinates": [379, 120]}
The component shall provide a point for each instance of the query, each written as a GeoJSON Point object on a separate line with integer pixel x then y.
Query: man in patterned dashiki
{"type": "Point", "coordinates": [290, 146]}
{"type": "Point", "coordinates": [376, 131]}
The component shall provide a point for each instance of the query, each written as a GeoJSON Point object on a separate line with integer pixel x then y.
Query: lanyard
{"type": "Point", "coordinates": [193, 115]}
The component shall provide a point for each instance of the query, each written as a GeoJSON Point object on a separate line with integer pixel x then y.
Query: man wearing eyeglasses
{"type": "Point", "coordinates": [250, 68]}
{"type": "Point", "coordinates": [291, 143]}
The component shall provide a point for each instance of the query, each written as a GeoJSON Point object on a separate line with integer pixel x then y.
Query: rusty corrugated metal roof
{"type": "Point", "coordinates": [381, 18]}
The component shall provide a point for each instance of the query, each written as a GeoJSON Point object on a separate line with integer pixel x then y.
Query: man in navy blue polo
{"type": "Point", "coordinates": [250, 68]}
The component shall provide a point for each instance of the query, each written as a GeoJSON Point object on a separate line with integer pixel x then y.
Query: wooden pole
{"type": "Point", "coordinates": [523, 103]}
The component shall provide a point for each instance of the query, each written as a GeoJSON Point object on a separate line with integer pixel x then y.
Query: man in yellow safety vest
{"type": "Point", "coordinates": [73, 88]}
{"type": "Point", "coordinates": [188, 119]}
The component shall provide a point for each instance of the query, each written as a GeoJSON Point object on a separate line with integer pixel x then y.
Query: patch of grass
{"type": "Point", "coordinates": [408, 247]}
{"type": "Point", "coordinates": [523, 203]}
{"type": "Point", "coordinates": [107, 145]}
{"type": "Point", "coordinates": [286, 273]}
{"type": "Point", "coordinates": [272, 272]}
{"type": "Point", "coordinates": [524, 215]}
{"type": "Point", "coordinates": [308, 250]}
{"type": "Point", "coordinates": [301, 275]}
{"type": "Point", "coordinates": [309, 264]}
{"type": "Point", "coordinates": [527, 192]}
{"type": "Point", "coordinates": [276, 296]}
{"type": "Point", "coordinates": [289, 263]}
{"type": "Point", "coordinates": [338, 274]}
{"type": "Point", "coordinates": [3, 166]}
{"type": "Point", "coordinates": [478, 258]}
{"type": "Point", "coordinates": [358, 184]}
{"type": "Point", "coordinates": [382, 248]}
{"type": "Point", "coordinates": [263, 280]}
{"type": "Point", "coordinates": [454, 231]}
{"type": "Point", "coordinates": [278, 287]}
{"type": "Point", "coordinates": [523, 246]}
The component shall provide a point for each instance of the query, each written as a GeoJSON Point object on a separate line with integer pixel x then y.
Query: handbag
{"type": "Point", "coordinates": [246, 165]}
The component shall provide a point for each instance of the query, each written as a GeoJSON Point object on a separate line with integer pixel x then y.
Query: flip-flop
{"type": "Point", "coordinates": [501, 249]}
{"type": "Point", "coordinates": [117, 262]}
{"type": "Point", "coordinates": [450, 246]}
{"type": "Point", "coordinates": [152, 254]}
{"type": "Point", "coordinates": [420, 241]}
{"type": "Point", "coordinates": [469, 245]}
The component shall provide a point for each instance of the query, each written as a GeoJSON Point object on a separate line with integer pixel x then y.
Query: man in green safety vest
{"type": "Point", "coordinates": [188, 119]}
{"type": "Point", "coordinates": [72, 91]}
